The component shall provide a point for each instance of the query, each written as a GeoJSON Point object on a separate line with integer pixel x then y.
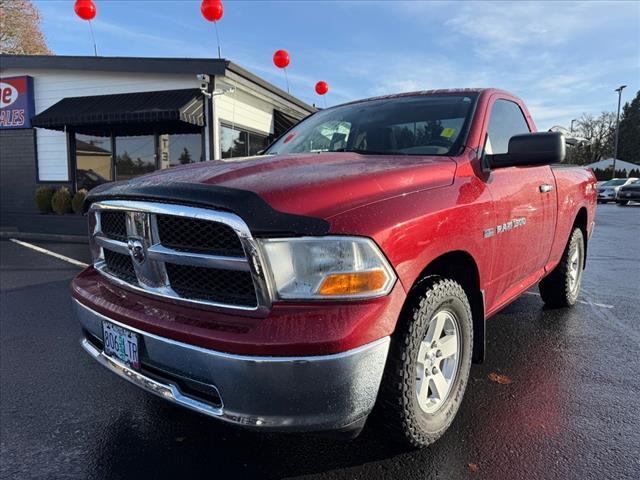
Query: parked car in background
{"type": "Point", "coordinates": [608, 190]}
{"type": "Point", "coordinates": [629, 193]}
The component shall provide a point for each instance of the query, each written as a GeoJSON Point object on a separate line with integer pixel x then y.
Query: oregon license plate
{"type": "Point", "coordinates": [121, 344]}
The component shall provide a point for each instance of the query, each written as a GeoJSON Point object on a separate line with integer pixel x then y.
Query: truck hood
{"type": "Point", "coordinates": [320, 185]}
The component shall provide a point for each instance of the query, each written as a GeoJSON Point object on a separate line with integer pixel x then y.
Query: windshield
{"type": "Point", "coordinates": [412, 125]}
{"type": "Point", "coordinates": [614, 183]}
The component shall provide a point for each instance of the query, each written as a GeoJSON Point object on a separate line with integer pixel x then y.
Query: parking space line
{"type": "Point", "coordinates": [50, 253]}
{"type": "Point", "coordinates": [601, 305]}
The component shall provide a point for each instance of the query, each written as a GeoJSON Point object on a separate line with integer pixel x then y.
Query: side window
{"type": "Point", "coordinates": [506, 121]}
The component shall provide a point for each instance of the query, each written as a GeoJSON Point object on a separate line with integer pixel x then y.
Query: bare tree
{"type": "Point", "coordinates": [20, 32]}
{"type": "Point", "coordinates": [599, 133]}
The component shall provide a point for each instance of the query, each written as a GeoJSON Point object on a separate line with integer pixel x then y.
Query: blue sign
{"type": "Point", "coordinates": [16, 102]}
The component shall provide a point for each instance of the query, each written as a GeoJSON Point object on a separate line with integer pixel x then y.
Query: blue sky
{"type": "Point", "coordinates": [562, 58]}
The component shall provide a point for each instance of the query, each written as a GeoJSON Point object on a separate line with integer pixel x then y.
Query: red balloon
{"type": "Point", "coordinates": [85, 9]}
{"type": "Point", "coordinates": [322, 87]}
{"type": "Point", "coordinates": [212, 10]}
{"type": "Point", "coordinates": [281, 59]}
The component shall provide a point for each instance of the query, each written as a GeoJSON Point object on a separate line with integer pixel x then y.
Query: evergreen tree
{"type": "Point", "coordinates": [629, 137]}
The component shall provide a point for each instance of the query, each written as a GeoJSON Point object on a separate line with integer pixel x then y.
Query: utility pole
{"type": "Point", "coordinates": [615, 154]}
{"type": "Point", "coordinates": [574, 120]}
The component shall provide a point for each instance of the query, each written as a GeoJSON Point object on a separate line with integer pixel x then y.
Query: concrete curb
{"type": "Point", "coordinates": [47, 237]}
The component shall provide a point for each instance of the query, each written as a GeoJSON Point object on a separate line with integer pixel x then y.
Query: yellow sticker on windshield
{"type": "Point", "coordinates": [448, 132]}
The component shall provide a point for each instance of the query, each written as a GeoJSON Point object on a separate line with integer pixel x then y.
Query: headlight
{"type": "Point", "coordinates": [328, 268]}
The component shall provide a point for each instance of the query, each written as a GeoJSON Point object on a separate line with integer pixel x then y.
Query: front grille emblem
{"type": "Point", "coordinates": [136, 249]}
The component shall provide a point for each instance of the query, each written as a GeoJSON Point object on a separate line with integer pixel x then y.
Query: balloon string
{"type": "Point", "coordinates": [95, 49]}
{"type": "Point", "coordinates": [286, 78]}
{"type": "Point", "coordinates": [218, 39]}
{"type": "Point", "coordinates": [233, 103]}
{"type": "Point", "coordinates": [324, 99]}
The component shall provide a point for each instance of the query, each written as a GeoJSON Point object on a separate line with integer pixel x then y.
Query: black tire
{"type": "Point", "coordinates": [558, 289]}
{"type": "Point", "coordinates": [623, 202]}
{"type": "Point", "coordinates": [401, 414]}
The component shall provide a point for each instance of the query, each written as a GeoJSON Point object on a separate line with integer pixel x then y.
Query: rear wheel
{"type": "Point", "coordinates": [561, 287]}
{"type": "Point", "coordinates": [623, 202]}
{"type": "Point", "coordinates": [428, 365]}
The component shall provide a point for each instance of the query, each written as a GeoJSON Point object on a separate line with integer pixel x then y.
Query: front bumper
{"type": "Point", "coordinates": [606, 195]}
{"type": "Point", "coordinates": [632, 196]}
{"type": "Point", "coordinates": [312, 393]}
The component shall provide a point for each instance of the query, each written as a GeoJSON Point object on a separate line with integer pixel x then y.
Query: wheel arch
{"type": "Point", "coordinates": [460, 266]}
{"type": "Point", "coordinates": [582, 222]}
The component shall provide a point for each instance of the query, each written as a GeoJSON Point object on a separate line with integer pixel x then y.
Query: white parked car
{"type": "Point", "coordinates": [608, 191]}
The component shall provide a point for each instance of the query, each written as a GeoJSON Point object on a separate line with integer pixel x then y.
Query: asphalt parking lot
{"type": "Point", "coordinates": [571, 409]}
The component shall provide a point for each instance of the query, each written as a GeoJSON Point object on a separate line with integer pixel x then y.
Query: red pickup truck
{"type": "Point", "coordinates": [352, 265]}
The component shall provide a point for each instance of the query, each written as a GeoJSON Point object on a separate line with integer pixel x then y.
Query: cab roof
{"type": "Point", "coordinates": [442, 91]}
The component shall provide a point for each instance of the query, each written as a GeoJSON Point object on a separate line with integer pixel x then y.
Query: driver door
{"type": "Point", "coordinates": [525, 207]}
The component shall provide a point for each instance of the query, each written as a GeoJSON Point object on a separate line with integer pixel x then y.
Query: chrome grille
{"type": "Point", "coordinates": [114, 225]}
{"type": "Point", "coordinates": [120, 265]}
{"type": "Point", "coordinates": [212, 284]}
{"type": "Point", "coordinates": [179, 252]}
{"type": "Point", "coordinates": [193, 235]}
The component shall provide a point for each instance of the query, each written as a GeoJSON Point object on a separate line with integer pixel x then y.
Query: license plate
{"type": "Point", "coordinates": [121, 344]}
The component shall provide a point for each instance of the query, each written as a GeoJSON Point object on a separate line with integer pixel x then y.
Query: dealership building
{"type": "Point", "coordinates": [84, 121]}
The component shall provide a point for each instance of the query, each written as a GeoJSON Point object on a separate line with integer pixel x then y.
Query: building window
{"type": "Point", "coordinates": [257, 143]}
{"type": "Point", "coordinates": [179, 149]}
{"type": "Point", "coordinates": [237, 142]}
{"type": "Point", "coordinates": [106, 158]}
{"type": "Point", "coordinates": [93, 161]}
{"type": "Point", "coordinates": [134, 156]}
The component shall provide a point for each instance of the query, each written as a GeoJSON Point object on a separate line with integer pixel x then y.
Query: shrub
{"type": "Point", "coordinates": [78, 201]}
{"type": "Point", "coordinates": [61, 201]}
{"type": "Point", "coordinates": [42, 198]}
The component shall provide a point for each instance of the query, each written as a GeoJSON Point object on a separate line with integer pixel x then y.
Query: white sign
{"type": "Point", "coordinates": [8, 94]}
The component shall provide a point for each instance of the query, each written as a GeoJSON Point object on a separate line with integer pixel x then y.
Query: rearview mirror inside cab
{"type": "Point", "coordinates": [541, 148]}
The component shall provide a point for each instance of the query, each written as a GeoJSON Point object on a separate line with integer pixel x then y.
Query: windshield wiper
{"type": "Point", "coordinates": [362, 151]}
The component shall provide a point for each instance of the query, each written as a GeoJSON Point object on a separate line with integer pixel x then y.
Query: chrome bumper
{"type": "Point", "coordinates": [313, 393]}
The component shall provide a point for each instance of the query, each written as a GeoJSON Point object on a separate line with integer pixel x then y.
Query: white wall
{"type": "Point", "coordinates": [249, 106]}
{"type": "Point", "coordinates": [242, 108]}
{"type": "Point", "coordinates": [53, 85]}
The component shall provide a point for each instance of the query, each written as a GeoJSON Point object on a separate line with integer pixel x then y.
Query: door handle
{"type": "Point", "coordinates": [545, 187]}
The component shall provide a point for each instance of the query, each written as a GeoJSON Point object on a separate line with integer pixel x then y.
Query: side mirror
{"type": "Point", "coordinates": [542, 148]}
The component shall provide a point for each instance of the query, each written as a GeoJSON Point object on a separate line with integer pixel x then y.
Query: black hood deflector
{"type": "Point", "coordinates": [262, 219]}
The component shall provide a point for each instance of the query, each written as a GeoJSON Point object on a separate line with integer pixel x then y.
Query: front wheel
{"type": "Point", "coordinates": [623, 202]}
{"type": "Point", "coordinates": [428, 366]}
{"type": "Point", "coordinates": [561, 287]}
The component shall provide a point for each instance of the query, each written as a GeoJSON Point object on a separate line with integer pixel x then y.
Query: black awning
{"type": "Point", "coordinates": [166, 111]}
{"type": "Point", "coordinates": [282, 122]}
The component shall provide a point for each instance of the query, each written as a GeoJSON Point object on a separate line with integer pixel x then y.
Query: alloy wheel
{"type": "Point", "coordinates": [438, 361]}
